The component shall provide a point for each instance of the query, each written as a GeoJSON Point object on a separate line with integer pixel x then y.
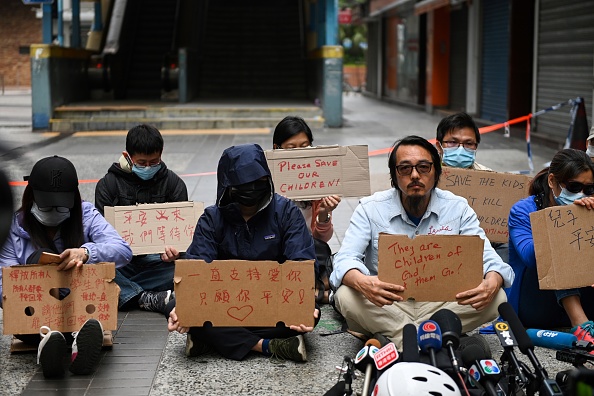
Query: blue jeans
{"type": "Point", "coordinates": [144, 273]}
{"type": "Point", "coordinates": [542, 309]}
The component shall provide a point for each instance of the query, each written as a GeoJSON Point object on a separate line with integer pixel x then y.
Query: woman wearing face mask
{"type": "Point", "coordinates": [53, 218]}
{"type": "Point", "coordinates": [293, 132]}
{"type": "Point", "coordinates": [569, 180]}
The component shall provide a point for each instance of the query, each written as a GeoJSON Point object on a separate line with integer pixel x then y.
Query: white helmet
{"type": "Point", "coordinates": [408, 378]}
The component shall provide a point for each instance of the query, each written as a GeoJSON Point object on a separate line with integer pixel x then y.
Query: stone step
{"type": "Point", "coordinates": [123, 112]}
{"type": "Point", "coordinates": [186, 123]}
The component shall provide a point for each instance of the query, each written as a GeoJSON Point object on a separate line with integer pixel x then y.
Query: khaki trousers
{"type": "Point", "coordinates": [365, 317]}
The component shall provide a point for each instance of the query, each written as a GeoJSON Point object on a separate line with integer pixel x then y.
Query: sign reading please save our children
{"type": "Point", "coordinates": [316, 172]}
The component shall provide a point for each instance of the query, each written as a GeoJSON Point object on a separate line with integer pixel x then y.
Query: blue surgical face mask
{"type": "Point", "coordinates": [590, 151]}
{"type": "Point", "coordinates": [50, 218]}
{"type": "Point", "coordinates": [566, 197]}
{"type": "Point", "coordinates": [458, 157]}
{"type": "Point", "coordinates": [146, 172]}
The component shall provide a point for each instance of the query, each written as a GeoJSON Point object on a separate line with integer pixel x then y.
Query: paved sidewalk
{"type": "Point", "coordinates": [130, 368]}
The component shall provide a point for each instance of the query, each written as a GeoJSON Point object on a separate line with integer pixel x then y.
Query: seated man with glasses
{"type": "Point", "coordinates": [142, 177]}
{"type": "Point", "coordinates": [458, 138]}
{"type": "Point", "coordinates": [414, 206]}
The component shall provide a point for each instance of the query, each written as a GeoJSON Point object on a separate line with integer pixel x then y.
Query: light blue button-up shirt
{"type": "Point", "coordinates": [447, 214]}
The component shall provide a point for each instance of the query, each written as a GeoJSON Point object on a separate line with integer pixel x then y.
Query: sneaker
{"type": "Point", "coordinates": [292, 348]}
{"type": "Point", "coordinates": [155, 301]}
{"type": "Point", "coordinates": [195, 347]}
{"type": "Point", "coordinates": [86, 347]}
{"type": "Point", "coordinates": [584, 332]}
{"type": "Point", "coordinates": [51, 352]}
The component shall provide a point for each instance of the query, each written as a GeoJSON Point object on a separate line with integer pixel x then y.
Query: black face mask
{"type": "Point", "coordinates": [250, 194]}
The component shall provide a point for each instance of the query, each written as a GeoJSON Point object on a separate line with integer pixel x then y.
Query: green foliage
{"type": "Point", "coordinates": [357, 34]}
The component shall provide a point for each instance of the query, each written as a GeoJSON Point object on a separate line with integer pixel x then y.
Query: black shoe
{"type": "Point", "coordinates": [155, 301]}
{"type": "Point", "coordinates": [292, 348]}
{"type": "Point", "coordinates": [195, 347]}
{"type": "Point", "coordinates": [51, 352]}
{"type": "Point", "coordinates": [86, 348]}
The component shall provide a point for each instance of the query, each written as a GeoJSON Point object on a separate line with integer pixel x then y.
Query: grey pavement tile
{"type": "Point", "coordinates": [123, 391]}
{"type": "Point", "coordinates": [115, 383]}
{"type": "Point", "coordinates": [68, 382]}
{"type": "Point", "coordinates": [110, 372]}
{"type": "Point", "coordinates": [54, 392]}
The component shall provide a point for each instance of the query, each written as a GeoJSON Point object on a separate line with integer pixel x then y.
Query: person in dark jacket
{"type": "Point", "coordinates": [142, 177]}
{"type": "Point", "coordinates": [248, 222]}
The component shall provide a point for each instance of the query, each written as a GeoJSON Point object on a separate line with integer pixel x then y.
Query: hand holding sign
{"type": "Point", "coordinates": [433, 267]}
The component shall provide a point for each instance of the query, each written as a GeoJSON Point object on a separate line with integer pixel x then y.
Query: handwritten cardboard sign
{"type": "Point", "coordinates": [244, 293]}
{"type": "Point", "coordinates": [431, 267]}
{"type": "Point", "coordinates": [490, 194]}
{"type": "Point", "coordinates": [564, 246]}
{"type": "Point", "coordinates": [148, 228]}
{"type": "Point", "coordinates": [317, 172]}
{"type": "Point", "coordinates": [28, 304]}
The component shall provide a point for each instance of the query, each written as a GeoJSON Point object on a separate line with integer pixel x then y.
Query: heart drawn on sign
{"type": "Point", "coordinates": [240, 313]}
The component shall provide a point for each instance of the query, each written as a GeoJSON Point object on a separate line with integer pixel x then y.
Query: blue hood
{"type": "Point", "coordinates": [239, 165]}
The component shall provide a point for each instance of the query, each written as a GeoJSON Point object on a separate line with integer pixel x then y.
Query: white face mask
{"type": "Point", "coordinates": [590, 151]}
{"type": "Point", "coordinates": [50, 218]}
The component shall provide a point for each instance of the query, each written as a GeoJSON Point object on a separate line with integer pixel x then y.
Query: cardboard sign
{"type": "Point", "coordinates": [244, 293]}
{"type": "Point", "coordinates": [148, 228]}
{"type": "Point", "coordinates": [490, 194]}
{"type": "Point", "coordinates": [28, 304]}
{"type": "Point", "coordinates": [564, 246]}
{"type": "Point", "coordinates": [316, 172]}
{"type": "Point", "coordinates": [431, 267]}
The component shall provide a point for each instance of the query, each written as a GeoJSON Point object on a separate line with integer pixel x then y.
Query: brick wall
{"type": "Point", "coordinates": [18, 27]}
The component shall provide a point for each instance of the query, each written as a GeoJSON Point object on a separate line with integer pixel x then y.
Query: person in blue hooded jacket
{"type": "Point", "coordinates": [248, 222]}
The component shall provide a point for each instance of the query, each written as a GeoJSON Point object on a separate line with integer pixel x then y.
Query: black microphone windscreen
{"type": "Point", "coordinates": [476, 340]}
{"type": "Point", "coordinates": [472, 353]}
{"type": "Point", "coordinates": [508, 314]}
{"type": "Point", "coordinates": [337, 390]}
{"type": "Point", "coordinates": [410, 346]}
{"type": "Point", "coordinates": [450, 325]}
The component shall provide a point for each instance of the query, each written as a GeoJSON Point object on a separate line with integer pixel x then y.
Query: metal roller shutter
{"type": "Point", "coordinates": [565, 65]}
{"type": "Point", "coordinates": [458, 57]}
{"type": "Point", "coordinates": [495, 60]}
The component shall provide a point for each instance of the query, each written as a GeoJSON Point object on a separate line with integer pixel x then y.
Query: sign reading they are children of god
{"type": "Point", "coordinates": [431, 267]}
{"type": "Point", "coordinates": [316, 172]}
{"type": "Point", "coordinates": [564, 246]}
{"type": "Point", "coordinates": [30, 297]}
{"type": "Point", "coordinates": [490, 194]}
{"type": "Point", "coordinates": [244, 293]}
{"type": "Point", "coordinates": [148, 228]}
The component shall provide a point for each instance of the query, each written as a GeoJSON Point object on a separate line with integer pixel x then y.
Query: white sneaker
{"type": "Point", "coordinates": [51, 352]}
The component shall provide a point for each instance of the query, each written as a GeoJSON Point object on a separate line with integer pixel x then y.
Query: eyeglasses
{"type": "Point", "coordinates": [145, 165]}
{"type": "Point", "coordinates": [421, 168]}
{"type": "Point", "coordinates": [576, 187]}
{"type": "Point", "coordinates": [59, 209]}
{"type": "Point", "coordinates": [452, 143]}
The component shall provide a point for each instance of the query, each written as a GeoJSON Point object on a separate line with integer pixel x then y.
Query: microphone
{"type": "Point", "coordinates": [410, 348]}
{"type": "Point", "coordinates": [364, 362]}
{"type": "Point", "coordinates": [481, 369]}
{"type": "Point", "coordinates": [547, 386]}
{"type": "Point", "coordinates": [429, 338]}
{"type": "Point", "coordinates": [558, 340]}
{"type": "Point", "coordinates": [451, 328]}
{"type": "Point", "coordinates": [385, 357]}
